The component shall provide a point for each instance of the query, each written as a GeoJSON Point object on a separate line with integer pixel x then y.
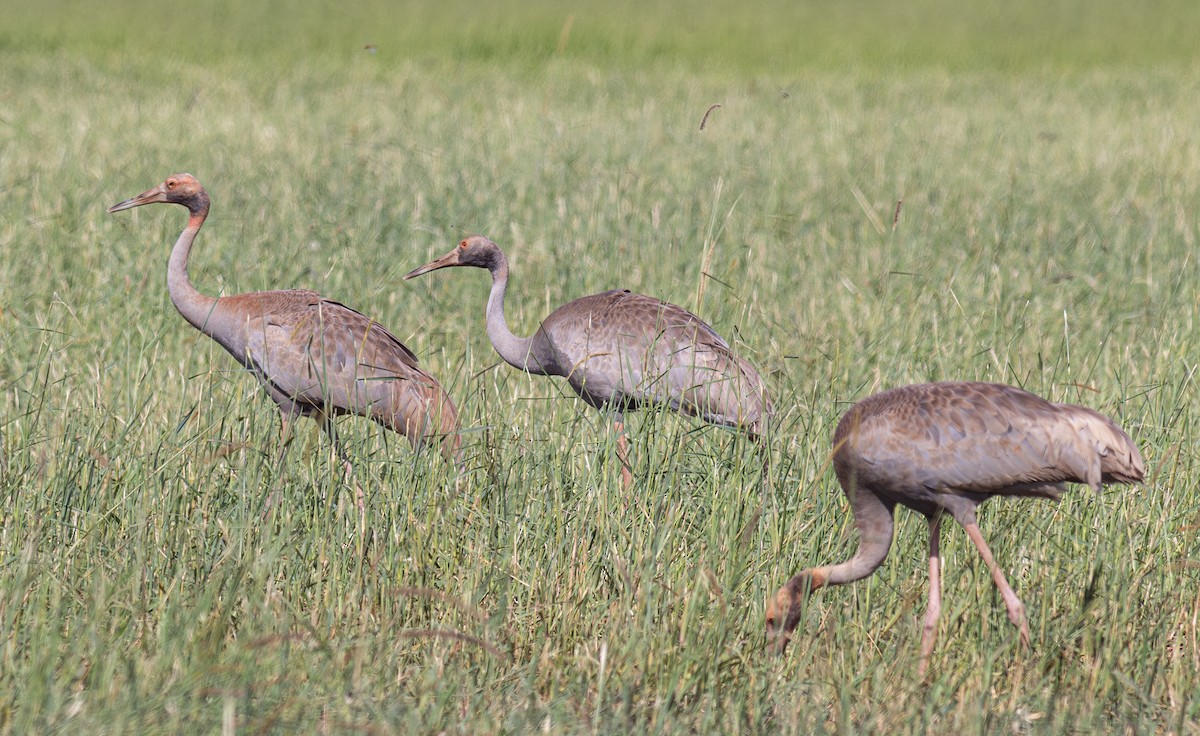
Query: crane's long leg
{"type": "Point", "coordinates": [287, 427]}
{"type": "Point", "coordinates": [764, 454]}
{"type": "Point", "coordinates": [623, 450]}
{"type": "Point", "coordinates": [1016, 609]}
{"type": "Point", "coordinates": [326, 423]}
{"type": "Point", "coordinates": [929, 630]}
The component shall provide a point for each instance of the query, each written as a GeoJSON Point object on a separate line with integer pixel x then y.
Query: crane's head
{"type": "Point", "coordinates": [784, 609]}
{"type": "Point", "coordinates": [475, 251]}
{"type": "Point", "coordinates": [177, 189]}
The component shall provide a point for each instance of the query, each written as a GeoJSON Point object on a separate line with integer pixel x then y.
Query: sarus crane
{"type": "Point", "coordinates": [620, 351]}
{"type": "Point", "coordinates": [313, 356]}
{"type": "Point", "coordinates": [945, 448]}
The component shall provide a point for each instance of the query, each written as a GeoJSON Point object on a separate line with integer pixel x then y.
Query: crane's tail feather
{"type": "Point", "coordinates": [451, 440]}
{"type": "Point", "coordinates": [1109, 455]}
{"type": "Point", "coordinates": [424, 413]}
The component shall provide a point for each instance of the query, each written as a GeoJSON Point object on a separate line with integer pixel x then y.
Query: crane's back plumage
{"type": "Point", "coordinates": [317, 355]}
{"type": "Point", "coordinates": [917, 445]}
{"type": "Point", "coordinates": [623, 350]}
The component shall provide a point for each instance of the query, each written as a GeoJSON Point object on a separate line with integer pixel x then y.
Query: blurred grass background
{"type": "Point", "coordinates": [888, 193]}
{"type": "Point", "coordinates": [763, 37]}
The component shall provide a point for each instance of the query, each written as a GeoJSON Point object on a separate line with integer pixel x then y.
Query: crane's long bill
{"type": "Point", "coordinates": [450, 259]}
{"type": "Point", "coordinates": [147, 197]}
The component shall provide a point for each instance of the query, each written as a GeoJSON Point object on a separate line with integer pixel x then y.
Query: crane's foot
{"type": "Point", "coordinates": [359, 496]}
{"type": "Point", "coordinates": [269, 503]}
{"type": "Point", "coordinates": [928, 636]}
{"type": "Point", "coordinates": [1016, 609]}
{"type": "Point", "coordinates": [1021, 624]}
{"type": "Point", "coordinates": [623, 453]}
{"type": "Point", "coordinates": [1016, 612]}
{"type": "Point", "coordinates": [765, 455]}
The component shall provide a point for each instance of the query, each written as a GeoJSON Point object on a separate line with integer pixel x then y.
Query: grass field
{"type": "Point", "coordinates": [889, 193]}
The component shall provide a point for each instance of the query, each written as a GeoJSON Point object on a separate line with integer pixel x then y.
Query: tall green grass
{"type": "Point", "coordinates": [907, 195]}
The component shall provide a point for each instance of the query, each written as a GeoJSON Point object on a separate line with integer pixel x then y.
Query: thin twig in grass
{"type": "Point", "coordinates": [1168, 459]}
{"type": "Point", "coordinates": [746, 535]}
{"type": "Point", "coordinates": [871, 214]}
{"type": "Point", "coordinates": [704, 120]}
{"type": "Point", "coordinates": [213, 692]}
{"type": "Point", "coordinates": [266, 641]}
{"type": "Point", "coordinates": [623, 571]}
{"type": "Point", "coordinates": [225, 450]}
{"type": "Point", "coordinates": [714, 585]}
{"type": "Point", "coordinates": [565, 34]}
{"type": "Point", "coordinates": [708, 275]}
{"type": "Point", "coordinates": [491, 367]}
{"type": "Point", "coordinates": [415, 592]}
{"type": "Point", "coordinates": [340, 726]}
{"type": "Point", "coordinates": [710, 242]}
{"type": "Point", "coordinates": [453, 635]}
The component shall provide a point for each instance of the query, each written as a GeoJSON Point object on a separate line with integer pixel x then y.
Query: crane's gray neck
{"type": "Point", "coordinates": [519, 352]}
{"type": "Point", "coordinates": [195, 307]}
{"type": "Point", "coordinates": [873, 519]}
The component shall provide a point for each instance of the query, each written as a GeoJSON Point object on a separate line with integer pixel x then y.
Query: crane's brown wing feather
{"type": "Point", "coordinates": [322, 353]}
{"type": "Point", "coordinates": [389, 342]}
{"type": "Point", "coordinates": [619, 317]}
{"type": "Point", "coordinates": [946, 458]}
{"type": "Point", "coordinates": [625, 348]}
{"type": "Point", "coordinates": [978, 438]}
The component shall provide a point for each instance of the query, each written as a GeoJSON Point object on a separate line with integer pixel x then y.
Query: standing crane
{"type": "Point", "coordinates": [942, 448]}
{"type": "Point", "coordinates": [313, 356]}
{"type": "Point", "coordinates": [619, 351]}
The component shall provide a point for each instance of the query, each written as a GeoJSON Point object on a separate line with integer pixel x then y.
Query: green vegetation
{"type": "Point", "coordinates": [1049, 171]}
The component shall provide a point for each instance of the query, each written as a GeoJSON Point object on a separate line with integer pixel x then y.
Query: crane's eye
{"type": "Point", "coordinates": [171, 183]}
{"type": "Point", "coordinates": [463, 244]}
